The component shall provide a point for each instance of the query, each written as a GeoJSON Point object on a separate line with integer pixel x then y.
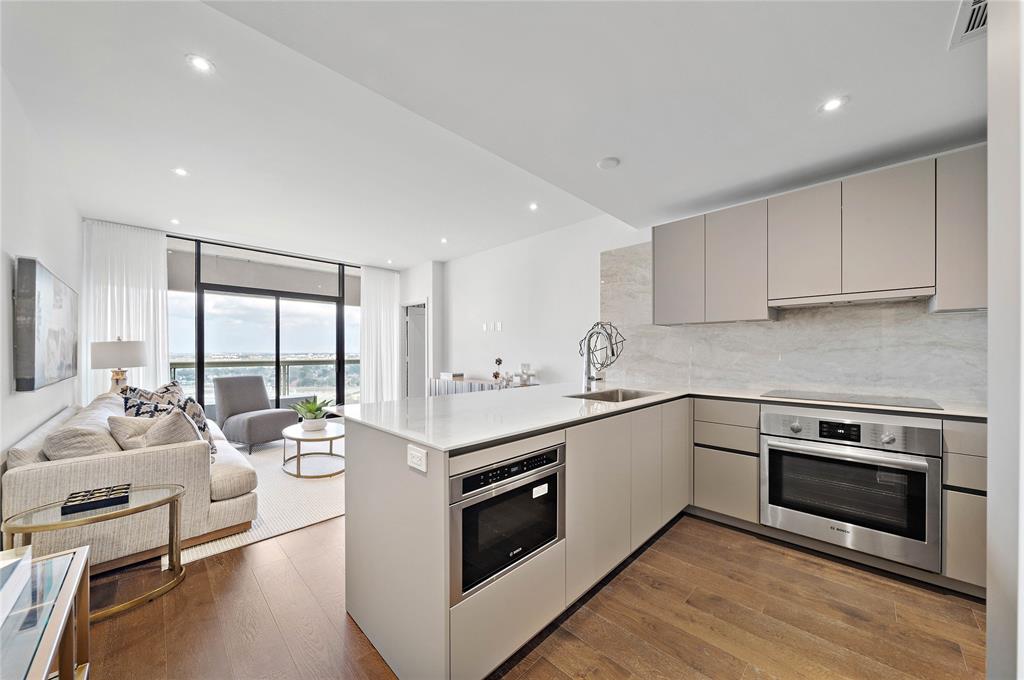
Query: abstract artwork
{"type": "Point", "coordinates": [45, 327]}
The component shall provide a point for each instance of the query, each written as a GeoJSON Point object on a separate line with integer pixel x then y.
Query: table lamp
{"type": "Point", "coordinates": [117, 356]}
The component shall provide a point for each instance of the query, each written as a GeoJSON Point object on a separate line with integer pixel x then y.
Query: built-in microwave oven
{"type": "Point", "coordinates": [503, 515]}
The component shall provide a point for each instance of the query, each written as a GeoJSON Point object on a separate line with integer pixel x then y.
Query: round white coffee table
{"type": "Point", "coordinates": [325, 463]}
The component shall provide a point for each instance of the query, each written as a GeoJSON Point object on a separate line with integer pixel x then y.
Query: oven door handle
{"type": "Point", "coordinates": [903, 462]}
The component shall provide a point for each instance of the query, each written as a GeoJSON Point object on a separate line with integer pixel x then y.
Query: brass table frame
{"type": "Point", "coordinates": [66, 636]}
{"type": "Point", "coordinates": [173, 502]}
{"type": "Point", "coordinates": [308, 436]}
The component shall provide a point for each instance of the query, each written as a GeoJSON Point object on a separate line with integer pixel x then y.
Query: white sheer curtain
{"type": "Point", "coordinates": [379, 335]}
{"type": "Point", "coordinates": [124, 294]}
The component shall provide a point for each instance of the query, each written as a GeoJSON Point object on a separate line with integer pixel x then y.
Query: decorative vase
{"type": "Point", "coordinates": [312, 424]}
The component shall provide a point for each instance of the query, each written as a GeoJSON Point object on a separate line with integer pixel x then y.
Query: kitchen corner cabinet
{"type": "Point", "coordinates": [597, 501]}
{"type": "Point", "coordinates": [726, 483]}
{"type": "Point", "coordinates": [963, 537]}
{"type": "Point", "coordinates": [645, 474]}
{"type": "Point", "coordinates": [678, 260]}
{"type": "Point", "coordinates": [889, 228]}
{"type": "Point", "coordinates": [961, 231]}
{"type": "Point", "coordinates": [676, 457]}
{"type": "Point", "coordinates": [736, 263]}
{"type": "Point", "coordinates": [805, 249]}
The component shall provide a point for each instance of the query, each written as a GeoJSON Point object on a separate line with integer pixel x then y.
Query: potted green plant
{"type": "Point", "coordinates": [313, 412]}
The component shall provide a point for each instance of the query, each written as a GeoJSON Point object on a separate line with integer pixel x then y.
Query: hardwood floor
{"type": "Point", "coordinates": [702, 601]}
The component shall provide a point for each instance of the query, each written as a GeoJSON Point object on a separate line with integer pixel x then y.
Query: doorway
{"type": "Point", "coordinates": [415, 341]}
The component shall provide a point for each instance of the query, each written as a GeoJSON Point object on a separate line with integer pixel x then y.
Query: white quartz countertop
{"type": "Point", "coordinates": [460, 421]}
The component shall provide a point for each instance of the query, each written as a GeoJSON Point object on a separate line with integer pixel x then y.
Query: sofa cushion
{"type": "Point", "coordinates": [231, 475]}
{"type": "Point", "coordinates": [173, 427]}
{"type": "Point", "coordinates": [74, 441]}
{"type": "Point", "coordinates": [256, 427]}
{"type": "Point", "coordinates": [30, 448]}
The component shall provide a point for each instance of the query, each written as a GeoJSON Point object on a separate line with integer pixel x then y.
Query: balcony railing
{"type": "Point", "coordinates": [291, 391]}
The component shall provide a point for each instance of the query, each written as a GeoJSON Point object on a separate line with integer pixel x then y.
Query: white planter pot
{"type": "Point", "coordinates": [314, 424]}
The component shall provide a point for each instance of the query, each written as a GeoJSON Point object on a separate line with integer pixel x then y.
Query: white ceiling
{"type": "Point", "coordinates": [284, 153]}
{"type": "Point", "coordinates": [706, 103]}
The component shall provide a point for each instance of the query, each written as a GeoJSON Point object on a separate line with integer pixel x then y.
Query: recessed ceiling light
{"type": "Point", "coordinates": [533, 207]}
{"type": "Point", "coordinates": [833, 104]}
{"type": "Point", "coordinates": [175, 221]}
{"type": "Point", "coordinates": [444, 240]}
{"type": "Point", "coordinates": [389, 261]}
{"type": "Point", "coordinates": [608, 163]}
{"type": "Point", "coordinates": [201, 64]}
{"type": "Point", "coordinates": [180, 172]}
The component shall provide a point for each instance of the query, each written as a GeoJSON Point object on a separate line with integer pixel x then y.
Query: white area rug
{"type": "Point", "coordinates": [285, 503]}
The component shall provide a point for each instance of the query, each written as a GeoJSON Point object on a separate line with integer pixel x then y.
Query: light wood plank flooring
{"type": "Point", "coordinates": [702, 601]}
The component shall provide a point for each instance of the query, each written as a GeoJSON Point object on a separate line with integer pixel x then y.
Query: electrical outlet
{"type": "Point", "coordinates": [416, 458]}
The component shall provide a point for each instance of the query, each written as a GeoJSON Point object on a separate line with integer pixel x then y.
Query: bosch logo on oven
{"type": "Point", "coordinates": [515, 552]}
{"type": "Point", "coordinates": [839, 529]}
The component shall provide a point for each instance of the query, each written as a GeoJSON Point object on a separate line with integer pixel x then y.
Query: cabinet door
{"type": "Point", "coordinates": [597, 489]}
{"type": "Point", "coordinates": [736, 277]}
{"type": "Point", "coordinates": [805, 242]}
{"type": "Point", "coordinates": [676, 457]}
{"type": "Point", "coordinates": [961, 231]}
{"type": "Point", "coordinates": [679, 272]}
{"type": "Point", "coordinates": [889, 228]}
{"type": "Point", "coordinates": [645, 475]}
{"type": "Point", "coordinates": [963, 537]}
{"type": "Point", "coordinates": [726, 483]}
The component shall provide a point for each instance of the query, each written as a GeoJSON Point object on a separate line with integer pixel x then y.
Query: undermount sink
{"type": "Point", "coordinates": [613, 395]}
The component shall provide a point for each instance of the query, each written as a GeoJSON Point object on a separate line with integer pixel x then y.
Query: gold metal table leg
{"type": "Point", "coordinates": [298, 458]}
{"type": "Point", "coordinates": [8, 541]}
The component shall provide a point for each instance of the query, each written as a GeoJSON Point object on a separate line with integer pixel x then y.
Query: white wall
{"type": "Point", "coordinates": [545, 293]}
{"type": "Point", "coordinates": [38, 220]}
{"type": "Point", "coordinates": [424, 283]}
{"type": "Point", "coordinates": [1005, 374]}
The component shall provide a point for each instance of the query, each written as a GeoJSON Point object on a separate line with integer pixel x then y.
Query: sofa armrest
{"type": "Point", "coordinates": [187, 464]}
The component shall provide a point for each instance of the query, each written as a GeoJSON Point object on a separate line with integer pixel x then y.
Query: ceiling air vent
{"type": "Point", "coordinates": [971, 22]}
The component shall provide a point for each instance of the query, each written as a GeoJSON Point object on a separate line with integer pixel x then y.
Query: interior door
{"type": "Point", "coordinates": [416, 351]}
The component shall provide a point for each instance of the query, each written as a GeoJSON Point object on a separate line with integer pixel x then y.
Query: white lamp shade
{"type": "Point", "coordinates": [118, 354]}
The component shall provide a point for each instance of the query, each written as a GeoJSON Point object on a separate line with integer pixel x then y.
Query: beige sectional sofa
{"type": "Point", "coordinates": [219, 500]}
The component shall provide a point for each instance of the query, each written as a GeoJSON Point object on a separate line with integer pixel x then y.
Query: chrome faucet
{"type": "Point", "coordinates": [588, 367]}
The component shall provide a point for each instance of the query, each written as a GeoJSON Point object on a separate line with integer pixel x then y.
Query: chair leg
{"type": "Point", "coordinates": [250, 449]}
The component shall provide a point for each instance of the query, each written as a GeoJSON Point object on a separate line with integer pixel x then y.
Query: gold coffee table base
{"type": "Point", "coordinates": [320, 454]}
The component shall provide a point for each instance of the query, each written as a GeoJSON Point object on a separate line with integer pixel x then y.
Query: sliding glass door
{"type": "Point", "coordinates": [240, 339]}
{"type": "Point", "coordinates": [309, 355]}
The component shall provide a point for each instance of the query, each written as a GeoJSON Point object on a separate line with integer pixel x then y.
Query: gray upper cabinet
{"type": "Point", "coordinates": [736, 263]}
{"type": "Point", "coordinates": [679, 272]}
{"type": "Point", "coordinates": [961, 225]}
{"type": "Point", "coordinates": [889, 229]}
{"type": "Point", "coordinates": [805, 234]}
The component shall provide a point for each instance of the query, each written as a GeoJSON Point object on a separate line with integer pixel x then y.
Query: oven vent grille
{"type": "Point", "coordinates": [971, 22]}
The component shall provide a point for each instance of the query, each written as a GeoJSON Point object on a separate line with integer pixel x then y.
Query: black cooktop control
{"type": "Point", "coordinates": [500, 474]}
{"type": "Point", "coordinates": [844, 432]}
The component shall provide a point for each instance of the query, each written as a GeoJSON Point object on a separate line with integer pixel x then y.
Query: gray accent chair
{"type": "Point", "coordinates": [244, 412]}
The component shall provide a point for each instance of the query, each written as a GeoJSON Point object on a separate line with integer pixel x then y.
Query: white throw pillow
{"type": "Point", "coordinates": [173, 427]}
{"type": "Point", "coordinates": [75, 442]}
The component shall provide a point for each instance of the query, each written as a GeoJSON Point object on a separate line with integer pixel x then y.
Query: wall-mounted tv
{"type": "Point", "coordinates": [45, 327]}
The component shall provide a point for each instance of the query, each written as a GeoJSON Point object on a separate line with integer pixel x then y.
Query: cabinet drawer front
{"type": "Point", "coordinates": [962, 437]}
{"type": "Point", "coordinates": [725, 436]}
{"type": "Point", "coordinates": [963, 537]}
{"type": "Point", "coordinates": [726, 483]}
{"type": "Point", "coordinates": [485, 630]}
{"type": "Point", "coordinates": [969, 472]}
{"type": "Point", "coordinates": [743, 413]}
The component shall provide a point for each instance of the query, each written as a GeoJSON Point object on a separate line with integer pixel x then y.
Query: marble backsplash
{"type": "Point", "coordinates": [894, 348]}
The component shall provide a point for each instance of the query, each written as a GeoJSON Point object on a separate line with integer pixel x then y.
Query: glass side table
{"type": "Point", "coordinates": [49, 621]}
{"type": "Point", "coordinates": [140, 499]}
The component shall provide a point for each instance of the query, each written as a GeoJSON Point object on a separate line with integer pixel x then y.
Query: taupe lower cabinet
{"type": "Point", "coordinates": [736, 263]}
{"type": "Point", "coordinates": [961, 230]}
{"type": "Point", "coordinates": [726, 483]}
{"type": "Point", "coordinates": [963, 536]}
{"type": "Point", "coordinates": [676, 457]}
{"type": "Point", "coordinates": [597, 501]}
{"type": "Point", "coordinates": [805, 242]}
{"type": "Point", "coordinates": [678, 257]}
{"type": "Point", "coordinates": [645, 475]}
{"type": "Point", "coordinates": [889, 228]}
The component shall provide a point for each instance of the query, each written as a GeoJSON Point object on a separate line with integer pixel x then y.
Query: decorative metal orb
{"type": "Point", "coordinates": [601, 355]}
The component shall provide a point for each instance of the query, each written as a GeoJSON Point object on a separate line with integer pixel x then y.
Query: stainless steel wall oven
{"type": "Point", "coordinates": [868, 482]}
{"type": "Point", "coordinates": [502, 515]}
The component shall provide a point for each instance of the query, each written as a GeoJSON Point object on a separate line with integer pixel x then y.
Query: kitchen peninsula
{"type": "Point", "coordinates": [479, 518]}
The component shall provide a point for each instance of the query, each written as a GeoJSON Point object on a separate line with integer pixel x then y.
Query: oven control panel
{"type": "Point", "coordinates": [844, 432]}
{"type": "Point", "coordinates": [494, 475]}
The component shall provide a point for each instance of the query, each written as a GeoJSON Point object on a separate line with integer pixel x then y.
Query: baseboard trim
{"type": "Point", "coordinates": [160, 551]}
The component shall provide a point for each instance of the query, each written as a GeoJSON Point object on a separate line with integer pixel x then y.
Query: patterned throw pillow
{"type": "Point", "coordinates": [171, 393]}
{"type": "Point", "coordinates": [139, 408]}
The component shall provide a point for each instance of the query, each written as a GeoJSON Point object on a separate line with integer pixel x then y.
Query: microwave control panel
{"type": "Point", "coordinates": [844, 432]}
{"type": "Point", "coordinates": [498, 474]}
